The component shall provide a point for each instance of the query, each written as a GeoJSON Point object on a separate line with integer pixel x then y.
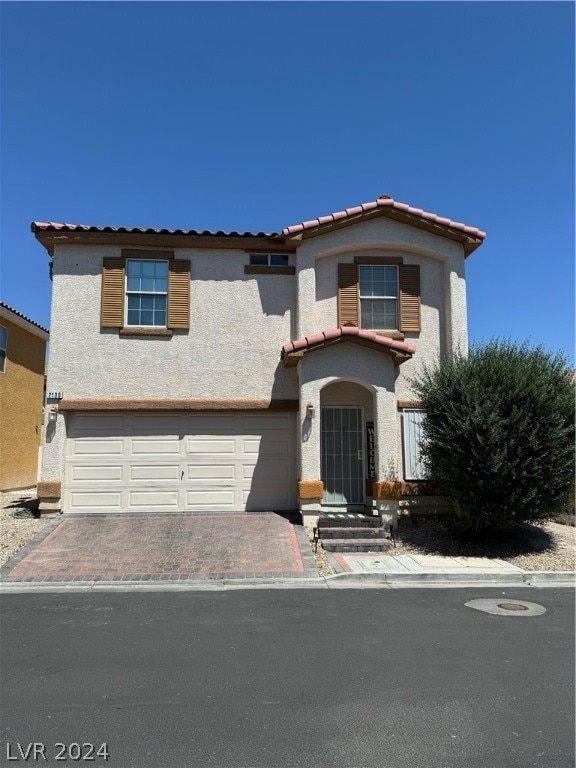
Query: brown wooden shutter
{"type": "Point", "coordinates": [112, 299]}
{"type": "Point", "coordinates": [409, 297]}
{"type": "Point", "coordinates": [348, 294]}
{"type": "Point", "coordinates": [179, 293]}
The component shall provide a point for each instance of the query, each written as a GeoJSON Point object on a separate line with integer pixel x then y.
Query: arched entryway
{"type": "Point", "coordinates": [347, 449]}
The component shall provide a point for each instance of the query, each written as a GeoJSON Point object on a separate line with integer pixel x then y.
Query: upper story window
{"type": "Point", "coordinates": [268, 260]}
{"type": "Point", "coordinates": [3, 342]}
{"type": "Point", "coordinates": [378, 293]}
{"type": "Point", "coordinates": [146, 292]}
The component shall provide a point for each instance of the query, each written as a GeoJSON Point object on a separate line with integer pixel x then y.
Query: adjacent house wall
{"type": "Point", "coordinates": [21, 399]}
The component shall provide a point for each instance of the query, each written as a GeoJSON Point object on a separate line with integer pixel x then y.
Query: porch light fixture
{"type": "Point", "coordinates": [53, 413]}
{"type": "Point", "coordinates": [310, 411]}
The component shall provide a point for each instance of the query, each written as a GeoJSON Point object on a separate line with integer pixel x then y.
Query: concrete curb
{"type": "Point", "coordinates": [369, 580]}
{"type": "Point", "coordinates": [461, 578]}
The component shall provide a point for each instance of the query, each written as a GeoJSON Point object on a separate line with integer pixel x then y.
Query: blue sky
{"type": "Point", "coordinates": [254, 116]}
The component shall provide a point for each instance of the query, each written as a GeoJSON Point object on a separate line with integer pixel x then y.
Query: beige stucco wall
{"type": "Point", "coordinates": [238, 325]}
{"type": "Point", "coordinates": [240, 322]}
{"type": "Point", "coordinates": [21, 398]}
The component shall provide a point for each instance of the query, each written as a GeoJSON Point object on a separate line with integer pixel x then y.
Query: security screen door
{"type": "Point", "coordinates": [341, 452]}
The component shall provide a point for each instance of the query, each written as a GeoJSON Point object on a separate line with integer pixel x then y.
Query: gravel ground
{"type": "Point", "coordinates": [16, 532]}
{"type": "Point", "coordinates": [547, 547]}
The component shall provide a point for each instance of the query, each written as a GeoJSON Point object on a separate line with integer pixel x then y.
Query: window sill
{"type": "Point", "coordinates": [251, 269]}
{"type": "Point", "coordinates": [396, 335]}
{"type": "Point", "coordinates": [145, 331]}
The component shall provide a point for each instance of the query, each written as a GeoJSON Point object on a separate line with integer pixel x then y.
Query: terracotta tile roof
{"type": "Point", "coordinates": [348, 333]}
{"type": "Point", "coordinates": [384, 202]}
{"type": "Point", "coordinates": [472, 237]}
{"type": "Point", "coordinates": [24, 317]}
{"type": "Point", "coordinates": [53, 226]}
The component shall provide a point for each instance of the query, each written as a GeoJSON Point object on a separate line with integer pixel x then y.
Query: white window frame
{"type": "Point", "coordinates": [145, 293]}
{"type": "Point", "coordinates": [411, 444]}
{"type": "Point", "coordinates": [256, 257]}
{"type": "Point", "coordinates": [396, 297]}
{"type": "Point", "coordinates": [3, 349]}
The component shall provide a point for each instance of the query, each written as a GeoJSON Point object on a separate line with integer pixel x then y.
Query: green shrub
{"type": "Point", "coordinates": [499, 433]}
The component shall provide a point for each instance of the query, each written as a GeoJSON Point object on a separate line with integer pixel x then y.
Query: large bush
{"type": "Point", "coordinates": [499, 432]}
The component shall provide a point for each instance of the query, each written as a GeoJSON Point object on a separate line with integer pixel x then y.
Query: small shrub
{"type": "Point", "coordinates": [499, 433]}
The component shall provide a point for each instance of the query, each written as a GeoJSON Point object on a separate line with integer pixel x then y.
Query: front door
{"type": "Point", "coordinates": [342, 429]}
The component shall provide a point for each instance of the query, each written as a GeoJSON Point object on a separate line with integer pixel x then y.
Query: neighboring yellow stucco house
{"type": "Point", "coordinates": [22, 362]}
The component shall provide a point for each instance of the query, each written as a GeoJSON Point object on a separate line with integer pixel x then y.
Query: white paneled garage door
{"type": "Point", "coordinates": [204, 462]}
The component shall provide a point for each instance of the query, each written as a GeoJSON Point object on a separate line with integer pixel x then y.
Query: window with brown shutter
{"type": "Point", "coordinates": [114, 291]}
{"type": "Point", "coordinates": [348, 294]}
{"type": "Point", "coordinates": [405, 292]}
{"type": "Point", "coordinates": [179, 294]}
{"type": "Point", "coordinates": [410, 298]}
{"type": "Point", "coordinates": [112, 303]}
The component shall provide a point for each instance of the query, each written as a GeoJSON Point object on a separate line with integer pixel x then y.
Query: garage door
{"type": "Point", "coordinates": [166, 462]}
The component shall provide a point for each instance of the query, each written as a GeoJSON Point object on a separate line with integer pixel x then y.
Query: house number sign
{"type": "Point", "coordinates": [370, 441]}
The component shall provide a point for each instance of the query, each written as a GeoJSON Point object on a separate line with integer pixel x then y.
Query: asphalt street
{"type": "Point", "coordinates": [287, 678]}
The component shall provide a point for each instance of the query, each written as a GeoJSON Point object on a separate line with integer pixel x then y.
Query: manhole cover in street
{"type": "Point", "coordinates": [510, 608]}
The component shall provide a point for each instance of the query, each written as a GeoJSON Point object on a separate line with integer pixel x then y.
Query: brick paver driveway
{"type": "Point", "coordinates": [177, 547]}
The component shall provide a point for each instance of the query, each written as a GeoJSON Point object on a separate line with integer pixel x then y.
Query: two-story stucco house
{"type": "Point", "coordinates": [22, 364]}
{"type": "Point", "coordinates": [214, 371]}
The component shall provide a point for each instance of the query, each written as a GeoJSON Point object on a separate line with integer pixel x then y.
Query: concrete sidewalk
{"type": "Point", "coordinates": [417, 569]}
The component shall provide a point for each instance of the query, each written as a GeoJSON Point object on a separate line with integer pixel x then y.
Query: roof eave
{"type": "Point", "coordinates": [50, 238]}
{"type": "Point", "coordinates": [469, 242]}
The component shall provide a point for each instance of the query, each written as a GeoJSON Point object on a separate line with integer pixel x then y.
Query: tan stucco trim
{"type": "Point", "coordinates": [386, 489]}
{"type": "Point", "coordinates": [174, 404]}
{"type": "Point", "coordinates": [309, 490]}
{"type": "Point", "coordinates": [49, 489]}
{"type": "Point", "coordinates": [409, 404]}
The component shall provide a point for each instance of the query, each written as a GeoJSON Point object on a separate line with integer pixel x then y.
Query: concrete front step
{"type": "Point", "coordinates": [353, 533]}
{"type": "Point", "coordinates": [350, 520]}
{"type": "Point", "coordinates": [355, 545]}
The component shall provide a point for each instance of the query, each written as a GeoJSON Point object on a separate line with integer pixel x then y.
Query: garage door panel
{"type": "Point", "coordinates": [97, 447]}
{"type": "Point", "coordinates": [204, 423]}
{"type": "Point", "coordinates": [86, 424]}
{"type": "Point", "coordinates": [267, 445]}
{"type": "Point", "coordinates": [90, 500]}
{"type": "Point", "coordinates": [255, 424]}
{"type": "Point", "coordinates": [211, 472]}
{"type": "Point", "coordinates": [99, 472]}
{"type": "Point", "coordinates": [160, 424]}
{"type": "Point", "coordinates": [155, 446]}
{"type": "Point", "coordinates": [207, 445]}
{"type": "Point", "coordinates": [148, 472]}
{"type": "Point", "coordinates": [258, 499]}
{"type": "Point", "coordinates": [222, 499]}
{"type": "Point", "coordinates": [266, 471]}
{"type": "Point", "coordinates": [156, 499]}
